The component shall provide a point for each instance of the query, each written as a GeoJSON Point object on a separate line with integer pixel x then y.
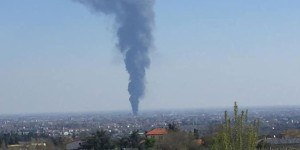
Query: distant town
{"type": "Point", "coordinates": [278, 126]}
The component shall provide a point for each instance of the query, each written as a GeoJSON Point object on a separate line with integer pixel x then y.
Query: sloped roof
{"type": "Point", "coordinates": [283, 141]}
{"type": "Point", "coordinates": [157, 131]}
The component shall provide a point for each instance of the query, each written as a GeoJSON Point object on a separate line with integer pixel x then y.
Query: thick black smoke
{"type": "Point", "coordinates": [134, 19]}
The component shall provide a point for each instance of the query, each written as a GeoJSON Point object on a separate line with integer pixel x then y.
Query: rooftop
{"type": "Point", "coordinates": [157, 131]}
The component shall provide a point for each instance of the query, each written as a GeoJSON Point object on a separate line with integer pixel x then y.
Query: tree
{"type": "Point", "coordinates": [123, 142]}
{"type": "Point", "coordinates": [100, 140]}
{"type": "Point", "coordinates": [173, 127]}
{"type": "Point", "coordinates": [134, 139]}
{"type": "Point", "coordinates": [130, 141]}
{"type": "Point", "coordinates": [2, 140]}
{"type": "Point", "coordinates": [236, 133]}
{"type": "Point", "coordinates": [179, 140]}
{"type": "Point", "coordinates": [149, 143]}
{"type": "Point", "coordinates": [59, 142]}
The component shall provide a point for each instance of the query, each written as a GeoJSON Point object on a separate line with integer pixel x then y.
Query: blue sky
{"type": "Point", "coordinates": [56, 56]}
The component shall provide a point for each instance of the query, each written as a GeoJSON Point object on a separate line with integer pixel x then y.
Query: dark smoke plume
{"type": "Point", "coordinates": [134, 19]}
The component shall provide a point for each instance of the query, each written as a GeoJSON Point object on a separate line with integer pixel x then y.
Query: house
{"type": "Point", "coordinates": [279, 143]}
{"type": "Point", "coordinates": [157, 133]}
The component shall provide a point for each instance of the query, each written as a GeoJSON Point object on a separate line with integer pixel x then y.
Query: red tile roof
{"type": "Point", "coordinates": [157, 131]}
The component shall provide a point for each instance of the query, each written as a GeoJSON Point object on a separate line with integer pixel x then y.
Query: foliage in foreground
{"type": "Point", "coordinates": [179, 140]}
{"type": "Point", "coordinates": [236, 133]}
